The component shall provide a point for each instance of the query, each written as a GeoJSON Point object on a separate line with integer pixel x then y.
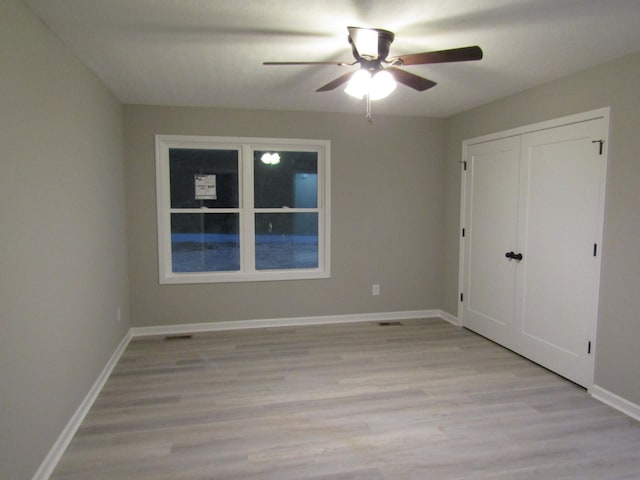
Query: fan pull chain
{"type": "Point", "coordinates": [368, 115]}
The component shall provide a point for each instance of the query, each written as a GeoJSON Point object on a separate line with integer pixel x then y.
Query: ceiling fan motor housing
{"type": "Point", "coordinates": [385, 38]}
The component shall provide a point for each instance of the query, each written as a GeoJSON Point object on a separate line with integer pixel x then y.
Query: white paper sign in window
{"type": "Point", "coordinates": [205, 187]}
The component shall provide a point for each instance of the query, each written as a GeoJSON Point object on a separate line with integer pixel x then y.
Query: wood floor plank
{"type": "Point", "coordinates": [419, 400]}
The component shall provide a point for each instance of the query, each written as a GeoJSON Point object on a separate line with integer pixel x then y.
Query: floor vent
{"type": "Point", "coordinates": [179, 337]}
{"type": "Point", "coordinates": [389, 324]}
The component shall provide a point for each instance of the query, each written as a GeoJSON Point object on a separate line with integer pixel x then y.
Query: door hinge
{"type": "Point", "coordinates": [601, 142]}
{"type": "Point", "coordinates": [595, 249]}
{"type": "Point", "coordinates": [463, 232]}
{"type": "Point", "coordinates": [464, 166]}
{"type": "Point", "coordinates": [462, 297]}
{"type": "Point", "coordinates": [589, 347]}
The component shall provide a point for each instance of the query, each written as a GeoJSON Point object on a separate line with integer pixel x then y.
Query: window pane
{"type": "Point", "coordinates": [291, 182]}
{"type": "Point", "coordinates": [205, 242]}
{"type": "Point", "coordinates": [286, 240]}
{"type": "Point", "coordinates": [203, 178]}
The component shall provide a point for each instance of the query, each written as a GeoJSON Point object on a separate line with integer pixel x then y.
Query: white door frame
{"type": "Point", "coordinates": [602, 113]}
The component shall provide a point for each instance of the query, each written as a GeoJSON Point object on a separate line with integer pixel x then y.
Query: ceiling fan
{"type": "Point", "coordinates": [378, 74]}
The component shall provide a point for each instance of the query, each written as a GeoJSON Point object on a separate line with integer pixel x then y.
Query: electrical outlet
{"type": "Point", "coordinates": [375, 289]}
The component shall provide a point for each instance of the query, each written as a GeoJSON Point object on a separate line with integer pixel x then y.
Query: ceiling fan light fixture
{"type": "Point", "coordinates": [378, 85]}
{"type": "Point", "coordinates": [359, 84]}
{"type": "Point", "coordinates": [382, 84]}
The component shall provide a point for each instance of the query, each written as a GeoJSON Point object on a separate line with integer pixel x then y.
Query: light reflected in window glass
{"type": "Point", "coordinates": [292, 182]}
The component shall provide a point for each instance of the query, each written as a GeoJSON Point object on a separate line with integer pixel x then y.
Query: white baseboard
{"type": "Point", "coordinates": [290, 322]}
{"type": "Point", "coordinates": [61, 444]}
{"type": "Point", "coordinates": [452, 319]}
{"type": "Point", "coordinates": [615, 401]}
{"type": "Point", "coordinates": [53, 457]}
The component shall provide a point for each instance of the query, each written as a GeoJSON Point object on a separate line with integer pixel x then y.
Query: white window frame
{"type": "Point", "coordinates": [246, 210]}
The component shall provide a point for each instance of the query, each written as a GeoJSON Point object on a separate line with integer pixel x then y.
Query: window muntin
{"type": "Point", "coordinates": [225, 215]}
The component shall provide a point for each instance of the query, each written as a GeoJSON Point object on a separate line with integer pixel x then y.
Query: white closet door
{"type": "Point", "coordinates": [491, 206]}
{"type": "Point", "coordinates": [539, 197]}
{"type": "Point", "coordinates": [561, 183]}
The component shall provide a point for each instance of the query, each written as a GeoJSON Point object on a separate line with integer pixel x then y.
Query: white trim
{"type": "Point", "coordinates": [536, 127]}
{"type": "Point", "coordinates": [621, 404]}
{"type": "Point", "coordinates": [289, 322]}
{"type": "Point", "coordinates": [452, 319]}
{"type": "Point", "coordinates": [53, 457]}
{"type": "Point", "coordinates": [245, 210]}
{"type": "Point", "coordinates": [462, 225]}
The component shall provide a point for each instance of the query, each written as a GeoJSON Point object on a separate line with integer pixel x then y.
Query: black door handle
{"type": "Point", "coordinates": [509, 254]}
{"type": "Point", "coordinates": [513, 256]}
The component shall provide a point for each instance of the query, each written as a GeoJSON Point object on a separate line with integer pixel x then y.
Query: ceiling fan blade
{"type": "Point", "coordinates": [342, 79]}
{"type": "Point", "coordinates": [410, 80]}
{"type": "Point", "coordinates": [463, 54]}
{"type": "Point", "coordinates": [340, 64]}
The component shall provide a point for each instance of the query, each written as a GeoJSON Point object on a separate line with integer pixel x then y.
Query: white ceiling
{"type": "Point", "coordinates": [210, 52]}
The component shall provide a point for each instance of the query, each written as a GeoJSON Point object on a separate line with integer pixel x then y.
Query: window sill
{"type": "Point", "coordinates": [235, 277]}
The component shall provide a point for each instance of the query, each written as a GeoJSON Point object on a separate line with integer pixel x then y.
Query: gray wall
{"type": "Point", "coordinates": [614, 84]}
{"type": "Point", "coordinates": [386, 217]}
{"type": "Point", "coordinates": [396, 189]}
{"type": "Point", "coordinates": [62, 229]}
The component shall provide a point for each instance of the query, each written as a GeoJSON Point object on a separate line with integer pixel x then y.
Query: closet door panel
{"type": "Point", "coordinates": [561, 179]}
{"type": "Point", "coordinates": [492, 208]}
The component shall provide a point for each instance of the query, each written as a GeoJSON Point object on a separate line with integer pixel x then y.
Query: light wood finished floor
{"type": "Point", "coordinates": [423, 400]}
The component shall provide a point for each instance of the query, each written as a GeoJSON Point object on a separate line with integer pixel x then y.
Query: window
{"type": "Point", "coordinates": [242, 209]}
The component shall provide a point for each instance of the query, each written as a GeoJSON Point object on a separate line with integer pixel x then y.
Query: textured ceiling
{"type": "Point", "coordinates": [210, 52]}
